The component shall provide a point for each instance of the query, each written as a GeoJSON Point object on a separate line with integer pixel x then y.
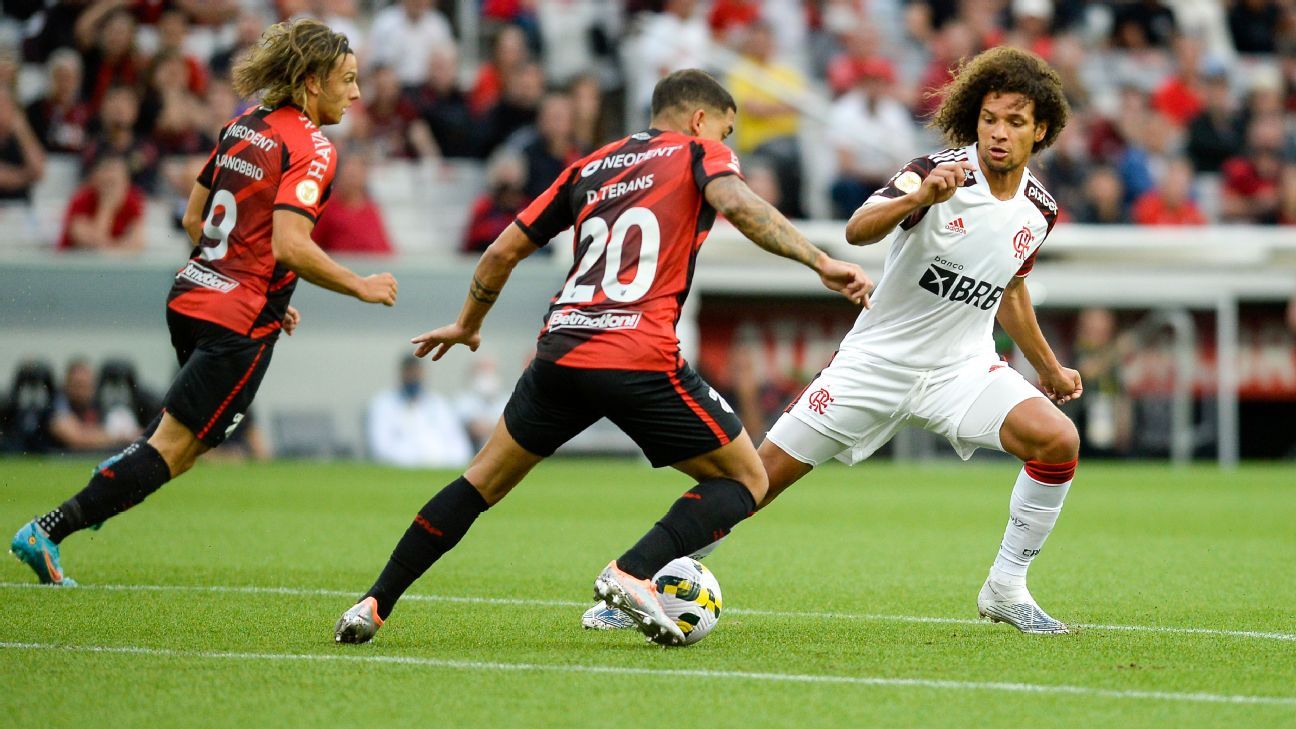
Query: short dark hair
{"type": "Point", "coordinates": [1001, 70]}
{"type": "Point", "coordinates": [689, 87]}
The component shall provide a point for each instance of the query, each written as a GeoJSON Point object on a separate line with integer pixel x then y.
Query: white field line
{"type": "Point", "coordinates": [352, 657]}
{"type": "Point", "coordinates": [869, 617]}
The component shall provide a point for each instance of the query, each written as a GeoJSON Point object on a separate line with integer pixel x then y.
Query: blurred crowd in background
{"type": "Point", "coordinates": [97, 409]}
{"type": "Point", "coordinates": [1184, 110]}
{"type": "Point", "coordinates": [1184, 113]}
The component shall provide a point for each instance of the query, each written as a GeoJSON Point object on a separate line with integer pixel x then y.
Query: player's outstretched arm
{"type": "Point", "coordinates": [492, 272]}
{"type": "Point", "coordinates": [766, 227]}
{"type": "Point", "coordinates": [873, 221]}
{"type": "Point", "coordinates": [293, 247]}
{"type": "Point", "coordinates": [1017, 316]}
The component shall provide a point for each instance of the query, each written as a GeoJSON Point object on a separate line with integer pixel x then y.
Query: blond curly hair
{"type": "Point", "coordinates": [276, 68]}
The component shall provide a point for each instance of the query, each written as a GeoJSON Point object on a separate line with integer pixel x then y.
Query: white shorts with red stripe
{"type": "Point", "coordinates": [859, 402]}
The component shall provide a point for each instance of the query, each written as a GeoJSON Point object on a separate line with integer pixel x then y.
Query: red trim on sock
{"type": "Point", "coordinates": [1051, 473]}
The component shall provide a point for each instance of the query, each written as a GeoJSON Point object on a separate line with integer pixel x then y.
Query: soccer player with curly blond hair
{"type": "Point", "coordinates": [250, 216]}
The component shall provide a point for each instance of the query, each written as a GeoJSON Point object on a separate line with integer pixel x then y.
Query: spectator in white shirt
{"type": "Point", "coordinates": [412, 427]}
{"type": "Point", "coordinates": [871, 134]}
{"type": "Point", "coordinates": [482, 403]}
{"type": "Point", "coordinates": [676, 38]}
{"type": "Point", "coordinates": [403, 36]}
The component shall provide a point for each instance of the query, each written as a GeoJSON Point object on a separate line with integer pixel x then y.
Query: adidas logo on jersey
{"type": "Point", "coordinates": [956, 226]}
{"type": "Point", "coordinates": [956, 287]}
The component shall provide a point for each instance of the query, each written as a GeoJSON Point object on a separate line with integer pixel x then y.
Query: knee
{"type": "Point", "coordinates": [752, 476]}
{"type": "Point", "coordinates": [179, 457]}
{"type": "Point", "coordinates": [1059, 442]}
{"type": "Point", "coordinates": [758, 484]}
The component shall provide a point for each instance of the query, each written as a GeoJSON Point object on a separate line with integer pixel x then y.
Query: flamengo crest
{"type": "Point", "coordinates": [1022, 243]}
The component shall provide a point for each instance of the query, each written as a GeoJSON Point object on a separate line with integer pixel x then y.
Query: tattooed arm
{"type": "Point", "coordinates": [488, 280]}
{"type": "Point", "coordinates": [766, 227]}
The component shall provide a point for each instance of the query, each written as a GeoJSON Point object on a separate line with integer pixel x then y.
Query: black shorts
{"type": "Point", "coordinates": [220, 371]}
{"type": "Point", "coordinates": [671, 416]}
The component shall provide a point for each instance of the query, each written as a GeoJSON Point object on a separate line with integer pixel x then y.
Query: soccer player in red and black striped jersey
{"type": "Point", "coordinates": [249, 215]}
{"type": "Point", "coordinates": [641, 208]}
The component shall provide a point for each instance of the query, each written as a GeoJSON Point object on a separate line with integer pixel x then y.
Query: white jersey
{"type": "Point", "coordinates": [948, 266]}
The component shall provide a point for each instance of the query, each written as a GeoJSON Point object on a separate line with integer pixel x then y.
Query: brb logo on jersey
{"type": "Point", "coordinates": [1022, 243]}
{"type": "Point", "coordinates": [958, 288]}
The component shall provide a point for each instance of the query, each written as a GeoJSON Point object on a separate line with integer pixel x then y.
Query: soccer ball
{"type": "Point", "coordinates": [691, 597]}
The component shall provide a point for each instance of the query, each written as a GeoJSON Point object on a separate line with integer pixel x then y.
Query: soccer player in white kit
{"type": "Point", "coordinates": [964, 226]}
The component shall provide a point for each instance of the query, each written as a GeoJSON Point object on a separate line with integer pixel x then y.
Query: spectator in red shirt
{"type": "Point", "coordinates": [1250, 189]}
{"type": "Point", "coordinates": [503, 200]}
{"type": "Point", "coordinates": [731, 17]}
{"type": "Point", "coordinates": [352, 222]}
{"type": "Point", "coordinates": [172, 27]}
{"type": "Point", "coordinates": [1170, 203]}
{"type": "Point", "coordinates": [391, 119]}
{"type": "Point", "coordinates": [509, 53]}
{"type": "Point", "coordinates": [858, 56]}
{"type": "Point", "coordinates": [954, 42]}
{"type": "Point", "coordinates": [107, 212]}
{"type": "Point", "coordinates": [1181, 97]}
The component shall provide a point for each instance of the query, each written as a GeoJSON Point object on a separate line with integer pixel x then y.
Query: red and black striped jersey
{"type": "Point", "coordinates": [640, 218]}
{"type": "Point", "coordinates": [265, 160]}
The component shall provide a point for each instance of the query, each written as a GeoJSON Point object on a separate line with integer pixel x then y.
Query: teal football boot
{"type": "Point", "coordinates": [33, 547]}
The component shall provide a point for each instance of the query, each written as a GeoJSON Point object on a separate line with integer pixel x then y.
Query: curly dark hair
{"type": "Point", "coordinates": [1001, 70]}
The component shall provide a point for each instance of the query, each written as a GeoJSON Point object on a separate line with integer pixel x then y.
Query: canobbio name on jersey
{"type": "Point", "coordinates": [617, 189]}
{"type": "Point", "coordinates": [241, 166]}
{"type": "Point", "coordinates": [605, 320]}
{"type": "Point", "coordinates": [617, 161]}
{"type": "Point", "coordinates": [953, 286]}
{"type": "Point", "coordinates": [196, 273]}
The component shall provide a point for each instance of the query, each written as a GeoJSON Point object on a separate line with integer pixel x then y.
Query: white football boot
{"type": "Point", "coordinates": [359, 623]}
{"type": "Point", "coordinates": [1015, 606]}
{"type": "Point", "coordinates": [602, 617]}
{"type": "Point", "coordinates": [638, 601]}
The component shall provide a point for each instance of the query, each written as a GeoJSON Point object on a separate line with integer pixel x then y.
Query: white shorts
{"type": "Point", "coordinates": [859, 402]}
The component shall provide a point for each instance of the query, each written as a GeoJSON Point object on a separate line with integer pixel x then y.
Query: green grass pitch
{"type": "Point", "coordinates": [850, 602]}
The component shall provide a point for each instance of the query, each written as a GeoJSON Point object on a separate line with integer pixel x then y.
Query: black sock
{"type": "Point", "coordinates": [704, 514]}
{"type": "Point", "coordinates": [118, 484]}
{"type": "Point", "coordinates": [54, 524]}
{"type": "Point", "coordinates": [436, 530]}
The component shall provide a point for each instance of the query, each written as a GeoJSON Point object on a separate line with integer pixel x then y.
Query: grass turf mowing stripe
{"type": "Point", "coordinates": [672, 673]}
{"type": "Point", "coordinates": [254, 590]}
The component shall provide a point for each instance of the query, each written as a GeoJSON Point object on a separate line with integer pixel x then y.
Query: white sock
{"type": "Point", "coordinates": [708, 549]}
{"type": "Point", "coordinates": [1032, 512]}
